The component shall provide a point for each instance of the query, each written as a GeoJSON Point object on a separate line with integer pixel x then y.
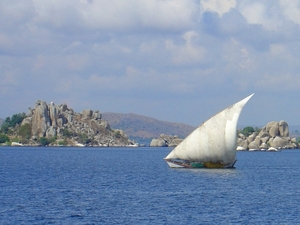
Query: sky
{"type": "Point", "coordinates": [173, 60]}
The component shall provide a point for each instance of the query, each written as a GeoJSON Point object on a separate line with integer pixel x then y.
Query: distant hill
{"type": "Point", "coordinates": [143, 128]}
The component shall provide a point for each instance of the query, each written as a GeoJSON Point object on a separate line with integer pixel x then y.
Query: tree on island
{"type": "Point", "coordinates": [247, 131]}
{"type": "Point", "coordinates": [16, 119]}
{"type": "Point", "coordinates": [4, 138]}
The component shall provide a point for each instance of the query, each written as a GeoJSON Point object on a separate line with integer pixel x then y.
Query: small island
{"type": "Point", "coordinates": [52, 125]}
{"type": "Point", "coordinates": [272, 137]}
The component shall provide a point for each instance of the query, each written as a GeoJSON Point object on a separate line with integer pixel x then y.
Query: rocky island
{"type": "Point", "coordinates": [59, 125]}
{"type": "Point", "coordinates": [49, 124]}
{"type": "Point", "coordinates": [273, 136]}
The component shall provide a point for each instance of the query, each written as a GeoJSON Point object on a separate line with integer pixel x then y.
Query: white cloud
{"type": "Point", "coordinates": [116, 14]}
{"type": "Point", "coordinates": [254, 12]}
{"type": "Point", "coordinates": [267, 14]}
{"type": "Point", "coordinates": [167, 14]}
{"type": "Point", "coordinates": [291, 10]}
{"type": "Point", "coordinates": [221, 7]}
{"type": "Point", "coordinates": [277, 50]}
{"type": "Point", "coordinates": [147, 49]}
{"type": "Point", "coordinates": [189, 52]}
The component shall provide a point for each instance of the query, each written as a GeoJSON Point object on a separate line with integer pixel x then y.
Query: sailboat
{"type": "Point", "coordinates": [212, 144]}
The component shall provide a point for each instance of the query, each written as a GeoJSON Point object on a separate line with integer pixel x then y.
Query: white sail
{"type": "Point", "coordinates": [214, 141]}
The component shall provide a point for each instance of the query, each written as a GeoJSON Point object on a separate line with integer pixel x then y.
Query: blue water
{"type": "Point", "coordinates": [135, 186]}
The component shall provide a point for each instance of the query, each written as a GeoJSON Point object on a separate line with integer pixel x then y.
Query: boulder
{"type": "Point", "coordinates": [294, 140]}
{"type": "Point", "coordinates": [264, 133]}
{"type": "Point", "coordinates": [96, 115]}
{"type": "Point", "coordinates": [174, 142]}
{"type": "Point", "coordinates": [26, 120]}
{"type": "Point", "coordinates": [53, 114]}
{"type": "Point", "coordinates": [158, 143]}
{"type": "Point", "coordinates": [294, 145]}
{"type": "Point", "coordinates": [263, 146]}
{"type": "Point", "coordinates": [241, 136]}
{"type": "Point", "coordinates": [244, 144]}
{"type": "Point", "coordinates": [60, 122]}
{"type": "Point", "coordinates": [63, 118]}
{"type": "Point", "coordinates": [59, 132]}
{"type": "Point", "coordinates": [273, 129]}
{"type": "Point", "coordinates": [279, 142]}
{"type": "Point", "coordinates": [239, 141]}
{"type": "Point", "coordinates": [169, 140]}
{"type": "Point", "coordinates": [40, 119]}
{"type": "Point", "coordinates": [265, 139]}
{"type": "Point", "coordinates": [87, 114]}
{"type": "Point", "coordinates": [271, 124]}
{"type": "Point", "coordinates": [69, 118]}
{"type": "Point", "coordinates": [257, 140]}
{"type": "Point", "coordinates": [63, 107]}
{"type": "Point", "coordinates": [274, 134]}
{"type": "Point", "coordinates": [283, 129]}
{"type": "Point", "coordinates": [240, 148]}
{"type": "Point", "coordinates": [251, 137]}
{"type": "Point", "coordinates": [51, 132]}
{"type": "Point", "coordinates": [253, 145]}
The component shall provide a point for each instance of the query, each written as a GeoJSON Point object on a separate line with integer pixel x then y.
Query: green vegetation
{"type": "Point", "coordinates": [25, 131]}
{"type": "Point", "coordinates": [247, 131]}
{"type": "Point", "coordinates": [46, 141]}
{"type": "Point", "coordinates": [12, 122]}
{"type": "Point", "coordinates": [83, 138]}
{"type": "Point", "coordinates": [64, 142]}
{"type": "Point", "coordinates": [15, 139]}
{"type": "Point", "coordinates": [67, 133]}
{"type": "Point", "coordinates": [4, 138]}
{"type": "Point", "coordinates": [117, 134]}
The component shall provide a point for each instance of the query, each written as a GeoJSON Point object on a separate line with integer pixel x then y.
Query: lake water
{"type": "Point", "coordinates": [135, 186]}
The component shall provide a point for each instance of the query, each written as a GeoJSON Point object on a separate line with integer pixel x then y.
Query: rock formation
{"type": "Point", "coordinates": [40, 120]}
{"type": "Point", "coordinates": [51, 121]}
{"type": "Point", "coordinates": [165, 141]}
{"type": "Point", "coordinates": [273, 135]}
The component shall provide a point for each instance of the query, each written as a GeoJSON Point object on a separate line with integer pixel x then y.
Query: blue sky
{"type": "Point", "coordinates": [173, 60]}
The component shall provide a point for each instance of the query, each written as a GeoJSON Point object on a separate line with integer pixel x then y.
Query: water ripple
{"type": "Point", "coordinates": [135, 186]}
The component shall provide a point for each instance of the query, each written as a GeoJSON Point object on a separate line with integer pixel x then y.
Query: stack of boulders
{"type": "Point", "coordinates": [51, 121]}
{"type": "Point", "coordinates": [275, 135]}
{"type": "Point", "coordinates": [165, 141]}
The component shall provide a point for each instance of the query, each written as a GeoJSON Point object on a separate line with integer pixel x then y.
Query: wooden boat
{"type": "Point", "coordinates": [212, 144]}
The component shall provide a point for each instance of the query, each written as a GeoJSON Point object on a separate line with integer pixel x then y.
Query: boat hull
{"type": "Point", "coordinates": [178, 163]}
